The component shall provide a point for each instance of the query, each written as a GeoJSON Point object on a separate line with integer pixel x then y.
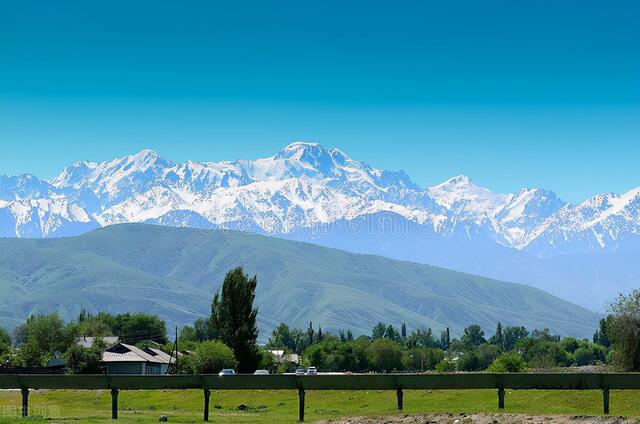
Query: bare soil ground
{"type": "Point", "coordinates": [484, 419]}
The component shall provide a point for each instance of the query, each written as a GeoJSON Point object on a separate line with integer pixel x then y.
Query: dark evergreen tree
{"type": "Point", "coordinates": [343, 337]}
{"type": "Point", "coordinates": [349, 335]}
{"type": "Point", "coordinates": [392, 334]}
{"type": "Point", "coordinates": [498, 338]}
{"type": "Point", "coordinates": [233, 318]}
{"type": "Point", "coordinates": [310, 333]}
{"type": "Point", "coordinates": [320, 336]}
{"type": "Point", "coordinates": [403, 330]}
{"type": "Point", "coordinates": [445, 339]}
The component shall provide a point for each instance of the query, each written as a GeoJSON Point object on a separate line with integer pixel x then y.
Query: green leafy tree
{"type": "Point", "coordinates": [80, 360]}
{"type": "Point", "coordinates": [570, 344]}
{"type": "Point", "coordinates": [473, 336]}
{"type": "Point", "coordinates": [624, 331]}
{"type": "Point", "coordinates": [421, 337]}
{"type": "Point", "coordinates": [5, 340]}
{"type": "Point", "coordinates": [600, 336]}
{"type": "Point", "coordinates": [543, 354]}
{"type": "Point", "coordinates": [209, 357]}
{"type": "Point", "coordinates": [378, 331]}
{"type": "Point", "coordinates": [423, 358]}
{"type": "Point", "coordinates": [385, 355]}
{"type": "Point", "coordinates": [512, 335]}
{"type": "Point", "coordinates": [283, 337]}
{"type": "Point", "coordinates": [134, 328]}
{"type": "Point", "coordinates": [187, 334]}
{"type": "Point", "coordinates": [42, 336]}
{"type": "Point", "coordinates": [233, 318]}
{"type": "Point", "coordinates": [203, 329]}
{"type": "Point", "coordinates": [545, 335]}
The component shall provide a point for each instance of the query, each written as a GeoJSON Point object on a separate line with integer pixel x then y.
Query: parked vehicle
{"type": "Point", "coordinates": [312, 371]}
{"type": "Point", "coordinates": [227, 371]}
{"type": "Point", "coordinates": [261, 372]}
{"type": "Point", "coordinates": [301, 371]}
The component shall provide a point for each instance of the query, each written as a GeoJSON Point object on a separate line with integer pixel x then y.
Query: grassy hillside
{"type": "Point", "coordinates": [174, 272]}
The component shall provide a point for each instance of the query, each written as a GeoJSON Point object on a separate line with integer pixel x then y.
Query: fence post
{"type": "Point", "coordinates": [114, 404]}
{"type": "Point", "coordinates": [207, 394]}
{"type": "Point", "coordinates": [501, 398]}
{"type": "Point", "coordinates": [25, 401]}
{"type": "Point", "coordinates": [300, 405]}
{"type": "Point", "coordinates": [605, 401]}
{"type": "Point", "coordinates": [399, 395]}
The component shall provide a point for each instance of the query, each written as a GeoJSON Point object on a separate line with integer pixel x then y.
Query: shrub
{"type": "Point", "coordinates": [508, 362]}
{"type": "Point", "coordinates": [469, 361]}
{"type": "Point", "coordinates": [446, 366]}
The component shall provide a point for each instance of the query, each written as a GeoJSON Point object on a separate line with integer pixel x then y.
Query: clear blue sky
{"type": "Point", "coordinates": [511, 93]}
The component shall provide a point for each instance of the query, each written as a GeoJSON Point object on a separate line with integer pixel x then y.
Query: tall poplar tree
{"type": "Point", "coordinates": [233, 318]}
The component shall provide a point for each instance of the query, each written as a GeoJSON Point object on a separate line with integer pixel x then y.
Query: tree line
{"type": "Point", "coordinates": [227, 338]}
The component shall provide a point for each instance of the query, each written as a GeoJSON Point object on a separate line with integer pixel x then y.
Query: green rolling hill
{"type": "Point", "coordinates": [173, 272]}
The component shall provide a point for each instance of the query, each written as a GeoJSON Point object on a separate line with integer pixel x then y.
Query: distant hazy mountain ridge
{"type": "Point", "coordinates": [174, 272]}
{"type": "Point", "coordinates": [306, 186]}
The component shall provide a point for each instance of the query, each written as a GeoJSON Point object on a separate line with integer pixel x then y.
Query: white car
{"type": "Point", "coordinates": [226, 371]}
{"type": "Point", "coordinates": [261, 372]}
{"type": "Point", "coordinates": [301, 371]}
{"type": "Point", "coordinates": [312, 371]}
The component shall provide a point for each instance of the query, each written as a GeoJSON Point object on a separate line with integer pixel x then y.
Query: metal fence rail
{"type": "Point", "coordinates": [397, 382]}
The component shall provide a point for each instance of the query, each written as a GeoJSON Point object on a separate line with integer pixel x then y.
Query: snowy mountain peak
{"type": "Point", "coordinates": [467, 199]}
{"type": "Point", "coordinates": [298, 150]}
{"type": "Point", "coordinates": [301, 186]}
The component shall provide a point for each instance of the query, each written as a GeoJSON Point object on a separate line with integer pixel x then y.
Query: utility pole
{"type": "Point", "coordinates": [177, 367]}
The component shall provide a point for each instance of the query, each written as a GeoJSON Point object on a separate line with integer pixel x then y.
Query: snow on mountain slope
{"type": "Point", "coordinates": [308, 186]}
{"type": "Point", "coordinates": [606, 222]}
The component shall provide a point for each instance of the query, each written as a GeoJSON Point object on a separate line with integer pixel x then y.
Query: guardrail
{"type": "Point", "coordinates": [397, 382]}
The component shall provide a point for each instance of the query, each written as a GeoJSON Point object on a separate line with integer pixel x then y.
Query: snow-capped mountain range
{"type": "Point", "coordinates": [307, 186]}
{"type": "Point", "coordinates": [585, 253]}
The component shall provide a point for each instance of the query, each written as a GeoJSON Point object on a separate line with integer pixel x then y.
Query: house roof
{"type": "Point", "coordinates": [128, 353]}
{"type": "Point", "coordinates": [87, 342]}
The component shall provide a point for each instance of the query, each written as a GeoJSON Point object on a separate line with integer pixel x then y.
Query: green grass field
{"type": "Point", "coordinates": [281, 406]}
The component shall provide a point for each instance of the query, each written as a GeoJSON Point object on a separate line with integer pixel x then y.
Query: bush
{"type": "Point", "coordinates": [446, 366]}
{"type": "Point", "coordinates": [209, 357]}
{"type": "Point", "coordinates": [385, 355]}
{"type": "Point", "coordinates": [469, 361]}
{"type": "Point", "coordinates": [584, 356]}
{"type": "Point", "coordinates": [508, 362]}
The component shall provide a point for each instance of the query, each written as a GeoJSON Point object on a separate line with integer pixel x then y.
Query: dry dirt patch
{"type": "Point", "coordinates": [483, 419]}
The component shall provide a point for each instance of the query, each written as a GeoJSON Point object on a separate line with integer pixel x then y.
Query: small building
{"type": "Point", "coordinates": [128, 359]}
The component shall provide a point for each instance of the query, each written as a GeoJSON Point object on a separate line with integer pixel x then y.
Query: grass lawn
{"type": "Point", "coordinates": [80, 406]}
